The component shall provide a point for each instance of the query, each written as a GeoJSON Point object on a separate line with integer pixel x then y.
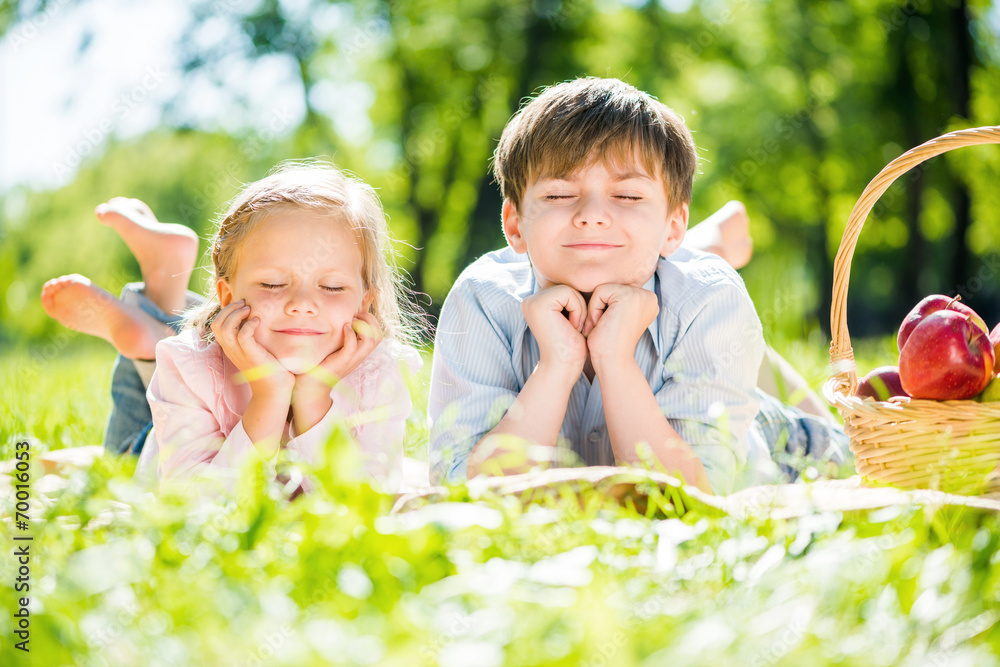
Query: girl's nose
{"type": "Point", "coordinates": [301, 301]}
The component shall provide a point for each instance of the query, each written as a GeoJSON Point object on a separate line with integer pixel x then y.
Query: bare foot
{"type": "Point", "coordinates": [78, 304]}
{"type": "Point", "coordinates": [725, 233]}
{"type": "Point", "coordinates": [166, 252]}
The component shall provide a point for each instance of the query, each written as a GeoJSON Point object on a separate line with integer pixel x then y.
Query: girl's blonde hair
{"type": "Point", "coordinates": [318, 187]}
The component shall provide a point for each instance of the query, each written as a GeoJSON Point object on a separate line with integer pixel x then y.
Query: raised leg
{"type": "Point", "coordinates": [166, 252]}
{"type": "Point", "coordinates": [778, 378]}
{"type": "Point", "coordinates": [75, 302]}
{"type": "Point", "coordinates": [725, 233]}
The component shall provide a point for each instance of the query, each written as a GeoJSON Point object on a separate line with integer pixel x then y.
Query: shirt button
{"type": "Point", "coordinates": [595, 436]}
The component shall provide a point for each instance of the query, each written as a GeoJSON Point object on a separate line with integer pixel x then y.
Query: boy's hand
{"type": "Point", "coordinates": [361, 336]}
{"type": "Point", "coordinates": [558, 333]}
{"type": "Point", "coordinates": [616, 317]}
{"type": "Point", "coordinates": [234, 330]}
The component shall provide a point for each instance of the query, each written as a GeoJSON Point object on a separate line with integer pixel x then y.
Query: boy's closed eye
{"type": "Point", "coordinates": [624, 197]}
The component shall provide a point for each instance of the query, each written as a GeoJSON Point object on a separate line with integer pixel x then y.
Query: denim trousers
{"type": "Point", "coordinates": [797, 439]}
{"type": "Point", "coordinates": [130, 418]}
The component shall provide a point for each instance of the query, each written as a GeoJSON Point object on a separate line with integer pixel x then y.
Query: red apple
{"type": "Point", "coordinates": [881, 384]}
{"type": "Point", "coordinates": [932, 304]}
{"type": "Point", "coordinates": [946, 357]}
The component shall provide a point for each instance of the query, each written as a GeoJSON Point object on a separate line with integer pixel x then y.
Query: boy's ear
{"type": "Point", "coordinates": [224, 292]}
{"type": "Point", "coordinates": [677, 224]}
{"type": "Point", "coordinates": [512, 227]}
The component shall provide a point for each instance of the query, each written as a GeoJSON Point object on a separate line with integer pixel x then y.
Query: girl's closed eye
{"type": "Point", "coordinates": [271, 286]}
{"type": "Point", "coordinates": [333, 288]}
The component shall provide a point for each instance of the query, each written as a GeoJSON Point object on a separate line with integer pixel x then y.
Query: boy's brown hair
{"type": "Point", "coordinates": [560, 130]}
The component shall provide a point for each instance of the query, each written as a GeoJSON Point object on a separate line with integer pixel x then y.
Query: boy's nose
{"type": "Point", "coordinates": [591, 212]}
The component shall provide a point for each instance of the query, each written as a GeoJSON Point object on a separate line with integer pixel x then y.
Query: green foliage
{"type": "Point", "coordinates": [795, 105]}
{"type": "Point", "coordinates": [56, 393]}
{"type": "Point", "coordinates": [120, 576]}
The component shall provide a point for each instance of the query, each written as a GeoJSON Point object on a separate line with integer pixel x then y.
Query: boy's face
{"type": "Point", "coordinates": [600, 224]}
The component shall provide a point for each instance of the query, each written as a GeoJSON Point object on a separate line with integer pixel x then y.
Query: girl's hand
{"type": "Point", "coordinates": [361, 336]}
{"type": "Point", "coordinates": [234, 330]}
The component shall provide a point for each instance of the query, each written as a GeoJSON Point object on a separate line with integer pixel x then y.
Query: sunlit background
{"type": "Point", "coordinates": [795, 105]}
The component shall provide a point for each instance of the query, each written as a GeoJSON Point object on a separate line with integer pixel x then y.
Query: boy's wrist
{"type": "Point", "coordinates": [608, 364]}
{"type": "Point", "coordinates": [563, 373]}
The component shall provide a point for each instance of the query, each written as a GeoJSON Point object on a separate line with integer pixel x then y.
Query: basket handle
{"type": "Point", "coordinates": [841, 353]}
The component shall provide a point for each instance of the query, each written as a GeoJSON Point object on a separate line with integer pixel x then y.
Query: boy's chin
{"type": "Point", "coordinates": [586, 283]}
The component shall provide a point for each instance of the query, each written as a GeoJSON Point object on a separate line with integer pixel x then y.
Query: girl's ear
{"type": "Point", "coordinates": [366, 302]}
{"type": "Point", "coordinates": [677, 224]}
{"type": "Point", "coordinates": [224, 292]}
{"type": "Point", "coordinates": [512, 227]}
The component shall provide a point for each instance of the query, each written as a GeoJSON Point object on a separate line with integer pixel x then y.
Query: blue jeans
{"type": "Point", "coordinates": [797, 439]}
{"type": "Point", "coordinates": [130, 418]}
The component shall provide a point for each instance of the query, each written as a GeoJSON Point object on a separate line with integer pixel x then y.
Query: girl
{"type": "Point", "coordinates": [304, 328]}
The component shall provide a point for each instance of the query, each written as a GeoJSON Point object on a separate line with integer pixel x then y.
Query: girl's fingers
{"type": "Point", "coordinates": [367, 344]}
{"type": "Point", "coordinates": [245, 335]}
{"type": "Point", "coordinates": [365, 325]}
{"type": "Point", "coordinates": [350, 340]}
{"type": "Point", "coordinates": [230, 318]}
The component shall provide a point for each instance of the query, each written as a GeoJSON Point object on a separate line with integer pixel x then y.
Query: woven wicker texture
{"type": "Point", "coordinates": [953, 446]}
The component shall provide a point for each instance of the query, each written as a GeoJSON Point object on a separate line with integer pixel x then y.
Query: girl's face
{"type": "Point", "coordinates": [300, 273]}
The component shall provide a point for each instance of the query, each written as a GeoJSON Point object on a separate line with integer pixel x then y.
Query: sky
{"type": "Point", "coordinates": [58, 106]}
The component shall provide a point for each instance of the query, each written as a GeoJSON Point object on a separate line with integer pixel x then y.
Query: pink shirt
{"type": "Point", "coordinates": [198, 405]}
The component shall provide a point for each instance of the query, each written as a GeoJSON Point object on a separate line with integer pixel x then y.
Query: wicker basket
{"type": "Point", "coordinates": [953, 446]}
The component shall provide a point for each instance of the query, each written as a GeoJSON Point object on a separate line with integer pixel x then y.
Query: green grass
{"type": "Point", "coordinates": [122, 577]}
{"type": "Point", "coordinates": [57, 393]}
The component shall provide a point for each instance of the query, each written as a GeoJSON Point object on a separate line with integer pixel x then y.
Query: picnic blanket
{"type": "Point", "coordinates": [623, 484]}
{"type": "Point", "coordinates": [776, 501]}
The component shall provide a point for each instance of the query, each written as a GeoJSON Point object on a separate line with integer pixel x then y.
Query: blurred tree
{"type": "Point", "coordinates": [795, 104]}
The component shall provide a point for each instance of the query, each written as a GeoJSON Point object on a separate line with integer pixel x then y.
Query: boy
{"type": "Point", "coordinates": [594, 326]}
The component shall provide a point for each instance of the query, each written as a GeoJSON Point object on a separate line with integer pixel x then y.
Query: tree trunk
{"type": "Point", "coordinates": [963, 261]}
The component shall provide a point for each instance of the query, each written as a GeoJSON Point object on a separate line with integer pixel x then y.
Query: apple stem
{"type": "Point", "coordinates": [957, 297]}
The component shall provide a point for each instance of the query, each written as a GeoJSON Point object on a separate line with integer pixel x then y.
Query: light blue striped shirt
{"type": "Point", "coordinates": [700, 356]}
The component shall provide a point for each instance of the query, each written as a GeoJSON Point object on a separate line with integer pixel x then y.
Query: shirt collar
{"type": "Point", "coordinates": [654, 327]}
